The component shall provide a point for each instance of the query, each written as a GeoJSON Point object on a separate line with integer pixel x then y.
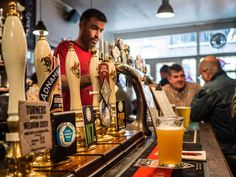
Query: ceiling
{"type": "Point", "coordinates": [135, 15]}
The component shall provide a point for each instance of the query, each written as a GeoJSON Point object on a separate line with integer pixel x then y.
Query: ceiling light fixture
{"type": "Point", "coordinates": [165, 10]}
{"type": "Point", "coordinates": [40, 25]}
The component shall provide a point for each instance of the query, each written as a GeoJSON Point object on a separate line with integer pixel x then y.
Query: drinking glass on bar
{"type": "Point", "coordinates": [170, 133]}
{"type": "Point", "coordinates": [185, 113]}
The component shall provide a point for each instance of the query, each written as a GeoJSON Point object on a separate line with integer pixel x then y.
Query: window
{"type": "Point", "coordinates": [164, 46]}
{"type": "Point", "coordinates": [180, 39]}
{"type": "Point", "coordinates": [190, 71]}
{"type": "Point", "coordinates": [229, 65]}
{"type": "Point", "coordinates": [186, 49]}
{"type": "Point", "coordinates": [224, 41]}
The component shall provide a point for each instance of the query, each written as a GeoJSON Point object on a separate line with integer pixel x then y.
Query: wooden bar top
{"type": "Point", "coordinates": [95, 162]}
{"type": "Point", "coordinates": [216, 165]}
{"type": "Point", "coordinates": [126, 150]}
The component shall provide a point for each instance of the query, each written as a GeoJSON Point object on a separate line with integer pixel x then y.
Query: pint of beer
{"type": "Point", "coordinates": [170, 133]}
{"type": "Point", "coordinates": [185, 113]}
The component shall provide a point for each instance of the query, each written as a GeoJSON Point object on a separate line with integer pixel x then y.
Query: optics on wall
{"type": "Point", "coordinates": [165, 10]}
{"type": "Point", "coordinates": [40, 25]}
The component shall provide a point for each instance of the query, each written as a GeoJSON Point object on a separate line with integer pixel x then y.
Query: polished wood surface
{"type": "Point", "coordinates": [216, 165]}
{"type": "Point", "coordinates": [95, 162]}
{"type": "Point", "coordinates": [103, 161]}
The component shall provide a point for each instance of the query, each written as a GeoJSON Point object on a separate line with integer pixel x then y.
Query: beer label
{"type": "Point", "coordinates": [103, 73]}
{"type": "Point", "coordinates": [105, 114]}
{"type": "Point", "coordinates": [66, 134]}
{"type": "Point", "coordinates": [50, 90]}
{"type": "Point", "coordinates": [57, 103]}
{"type": "Point", "coordinates": [34, 127]}
{"type": "Point", "coordinates": [63, 135]}
{"type": "Point", "coordinates": [75, 69]}
{"type": "Point", "coordinates": [105, 90]}
{"type": "Point", "coordinates": [89, 125]}
{"type": "Point", "coordinates": [120, 114]}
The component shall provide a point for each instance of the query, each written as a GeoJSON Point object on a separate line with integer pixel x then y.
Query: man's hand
{"type": "Point", "coordinates": [85, 81]}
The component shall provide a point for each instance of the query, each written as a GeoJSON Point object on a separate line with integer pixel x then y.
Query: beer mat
{"type": "Point", "coordinates": [191, 152]}
{"type": "Point", "coordinates": [146, 171]}
{"type": "Point", "coordinates": [150, 153]}
{"type": "Point", "coordinates": [155, 164]}
{"type": "Point", "coordinates": [194, 155]}
{"type": "Point", "coordinates": [192, 146]}
{"type": "Point", "coordinates": [191, 136]}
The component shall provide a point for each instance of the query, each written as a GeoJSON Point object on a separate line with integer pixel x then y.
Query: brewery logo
{"type": "Point", "coordinates": [105, 91]}
{"type": "Point", "coordinates": [76, 69]}
{"type": "Point", "coordinates": [88, 114]}
{"type": "Point", "coordinates": [49, 84]}
{"type": "Point", "coordinates": [120, 106]}
{"type": "Point", "coordinates": [47, 62]}
{"type": "Point", "coordinates": [105, 111]}
{"type": "Point", "coordinates": [66, 134]}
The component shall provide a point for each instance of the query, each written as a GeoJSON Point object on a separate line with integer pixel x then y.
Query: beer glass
{"type": "Point", "coordinates": [170, 133]}
{"type": "Point", "coordinates": [185, 113]}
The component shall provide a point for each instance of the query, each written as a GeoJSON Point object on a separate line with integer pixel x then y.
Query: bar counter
{"type": "Point", "coordinates": [215, 166]}
{"type": "Point", "coordinates": [115, 159]}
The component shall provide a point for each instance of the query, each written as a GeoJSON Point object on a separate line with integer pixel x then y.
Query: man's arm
{"type": "Point", "coordinates": [200, 107]}
{"type": "Point", "coordinates": [85, 81]}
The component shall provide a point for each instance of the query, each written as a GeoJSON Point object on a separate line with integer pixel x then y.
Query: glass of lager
{"type": "Point", "coordinates": [185, 113]}
{"type": "Point", "coordinates": [170, 133]}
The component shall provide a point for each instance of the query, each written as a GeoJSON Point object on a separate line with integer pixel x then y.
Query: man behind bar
{"type": "Point", "coordinates": [92, 23]}
{"type": "Point", "coordinates": [212, 103]}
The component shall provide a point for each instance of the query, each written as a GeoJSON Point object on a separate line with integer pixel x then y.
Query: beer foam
{"type": "Point", "coordinates": [182, 107]}
{"type": "Point", "coordinates": [169, 128]}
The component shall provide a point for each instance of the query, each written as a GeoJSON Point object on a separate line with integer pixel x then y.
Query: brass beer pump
{"type": "Point", "coordinates": [113, 129]}
{"type": "Point", "coordinates": [44, 63]}
{"type": "Point", "coordinates": [101, 130]}
{"type": "Point", "coordinates": [73, 77]}
{"type": "Point", "coordinates": [15, 63]}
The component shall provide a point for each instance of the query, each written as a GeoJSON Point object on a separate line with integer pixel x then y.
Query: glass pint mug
{"type": "Point", "coordinates": [170, 133]}
{"type": "Point", "coordinates": [185, 113]}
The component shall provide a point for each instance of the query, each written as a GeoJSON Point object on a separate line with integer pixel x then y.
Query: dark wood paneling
{"type": "Point", "coordinates": [28, 20]}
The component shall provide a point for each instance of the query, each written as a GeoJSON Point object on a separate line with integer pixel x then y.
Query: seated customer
{"type": "Point", "coordinates": [164, 74]}
{"type": "Point", "coordinates": [212, 103]}
{"type": "Point", "coordinates": [179, 91]}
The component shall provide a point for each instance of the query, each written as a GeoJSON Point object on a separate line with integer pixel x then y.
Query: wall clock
{"type": "Point", "coordinates": [218, 40]}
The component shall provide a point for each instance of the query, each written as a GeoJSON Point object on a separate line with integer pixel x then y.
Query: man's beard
{"type": "Point", "coordinates": [92, 43]}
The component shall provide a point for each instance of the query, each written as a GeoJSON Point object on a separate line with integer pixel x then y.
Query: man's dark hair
{"type": "Point", "coordinates": [176, 68]}
{"type": "Point", "coordinates": [164, 69]}
{"type": "Point", "coordinates": [89, 13]}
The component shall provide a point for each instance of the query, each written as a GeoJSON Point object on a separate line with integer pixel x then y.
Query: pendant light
{"type": "Point", "coordinates": [40, 26]}
{"type": "Point", "coordinates": [165, 10]}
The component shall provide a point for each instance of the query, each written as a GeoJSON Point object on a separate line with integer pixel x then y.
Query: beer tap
{"type": "Point", "coordinates": [14, 48]}
{"type": "Point", "coordinates": [97, 100]}
{"type": "Point", "coordinates": [73, 74]}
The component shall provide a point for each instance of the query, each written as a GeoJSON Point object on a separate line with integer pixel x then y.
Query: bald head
{"type": "Point", "coordinates": [208, 67]}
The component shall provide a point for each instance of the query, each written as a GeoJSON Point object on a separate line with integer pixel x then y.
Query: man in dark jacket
{"type": "Point", "coordinates": [212, 103]}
